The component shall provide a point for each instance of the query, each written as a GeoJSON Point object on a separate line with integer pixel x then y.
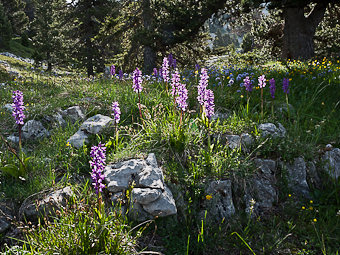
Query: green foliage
{"type": "Point", "coordinates": [81, 228]}
{"type": "Point", "coordinates": [15, 11]}
{"type": "Point", "coordinates": [5, 28]}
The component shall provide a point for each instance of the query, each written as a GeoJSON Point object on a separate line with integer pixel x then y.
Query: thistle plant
{"type": "Point", "coordinates": [272, 89]}
{"type": "Point", "coordinates": [165, 72]}
{"type": "Point", "coordinates": [285, 87]}
{"type": "Point", "coordinates": [202, 86]}
{"type": "Point", "coordinates": [137, 86]}
{"type": "Point", "coordinates": [116, 116]}
{"type": "Point", "coordinates": [97, 163]}
{"type": "Point", "coordinates": [262, 84]}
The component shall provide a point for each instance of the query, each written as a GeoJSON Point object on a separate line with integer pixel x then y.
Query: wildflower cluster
{"type": "Point", "coordinates": [202, 86]}
{"type": "Point", "coordinates": [97, 164]}
{"type": "Point", "coordinates": [209, 105]}
{"type": "Point", "coordinates": [165, 70]}
{"type": "Point", "coordinates": [137, 80]}
{"type": "Point", "coordinates": [247, 84]}
{"type": "Point", "coordinates": [18, 107]}
{"type": "Point", "coordinates": [272, 87]}
{"type": "Point", "coordinates": [116, 112]}
{"type": "Point", "coordinates": [175, 82]}
{"type": "Point", "coordinates": [112, 70]}
{"type": "Point", "coordinates": [182, 96]}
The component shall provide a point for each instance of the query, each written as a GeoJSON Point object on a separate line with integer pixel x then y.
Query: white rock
{"type": "Point", "coordinates": [145, 196]}
{"type": "Point", "coordinates": [78, 139]}
{"type": "Point", "coordinates": [121, 175]}
{"type": "Point", "coordinates": [269, 129]}
{"type": "Point", "coordinates": [151, 177]}
{"type": "Point", "coordinates": [96, 124]}
{"type": "Point", "coordinates": [74, 113]}
{"type": "Point", "coordinates": [163, 206]}
{"type": "Point", "coordinates": [34, 129]}
{"type": "Point", "coordinates": [332, 162]}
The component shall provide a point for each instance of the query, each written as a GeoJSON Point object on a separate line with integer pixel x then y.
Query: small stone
{"type": "Point", "coordinates": [34, 129]}
{"type": "Point", "coordinates": [74, 113]}
{"type": "Point", "coordinates": [96, 124]}
{"type": "Point", "coordinates": [4, 225]}
{"type": "Point", "coordinates": [78, 139]}
{"type": "Point", "coordinates": [234, 141]}
{"type": "Point", "coordinates": [332, 162]}
{"type": "Point", "coordinates": [13, 138]}
{"type": "Point", "coordinates": [269, 129]}
{"type": "Point", "coordinates": [8, 107]}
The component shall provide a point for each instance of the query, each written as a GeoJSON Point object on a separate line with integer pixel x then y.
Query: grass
{"type": "Point", "coordinates": [187, 160]}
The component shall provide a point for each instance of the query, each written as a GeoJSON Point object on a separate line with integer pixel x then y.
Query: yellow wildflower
{"type": "Point", "coordinates": [315, 220]}
{"type": "Point", "coordinates": [303, 208]}
{"type": "Point", "coordinates": [68, 144]}
{"type": "Point", "coordinates": [208, 197]}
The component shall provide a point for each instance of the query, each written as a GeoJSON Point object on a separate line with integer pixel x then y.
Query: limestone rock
{"type": "Point", "coordinates": [120, 176]}
{"type": "Point", "coordinates": [74, 113]}
{"type": "Point", "coordinates": [47, 205]}
{"type": "Point", "coordinates": [262, 193]}
{"type": "Point", "coordinates": [13, 138]}
{"type": "Point", "coordinates": [78, 139]}
{"type": "Point", "coordinates": [163, 206]}
{"type": "Point", "coordinates": [96, 124]}
{"type": "Point", "coordinates": [269, 129]}
{"type": "Point", "coordinates": [149, 196]}
{"type": "Point", "coordinates": [8, 107]}
{"type": "Point", "coordinates": [297, 174]}
{"type": "Point", "coordinates": [234, 141]}
{"type": "Point", "coordinates": [221, 205]}
{"type": "Point", "coordinates": [332, 162]}
{"type": "Point", "coordinates": [145, 196]}
{"type": "Point", "coordinates": [151, 177]}
{"type": "Point", "coordinates": [34, 129]}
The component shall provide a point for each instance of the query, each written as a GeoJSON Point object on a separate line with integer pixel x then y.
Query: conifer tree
{"type": "Point", "coordinates": [47, 29]}
{"type": "Point", "coordinates": [15, 11]}
{"type": "Point", "coordinates": [5, 29]}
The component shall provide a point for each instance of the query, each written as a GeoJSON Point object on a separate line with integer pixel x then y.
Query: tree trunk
{"type": "Point", "coordinates": [149, 51]}
{"type": "Point", "coordinates": [89, 58]}
{"type": "Point", "coordinates": [299, 31]}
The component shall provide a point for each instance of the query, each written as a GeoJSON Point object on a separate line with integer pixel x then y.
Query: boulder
{"type": "Point", "coordinates": [163, 206]}
{"type": "Point", "coordinates": [262, 193]}
{"type": "Point", "coordinates": [96, 124]}
{"type": "Point", "coordinates": [120, 176]}
{"type": "Point", "coordinates": [150, 197]}
{"type": "Point", "coordinates": [46, 205]}
{"type": "Point", "coordinates": [221, 205]}
{"type": "Point", "coordinates": [296, 175]}
{"type": "Point", "coordinates": [269, 129]}
{"type": "Point", "coordinates": [73, 113]}
{"type": "Point", "coordinates": [332, 162]}
{"type": "Point", "coordinates": [234, 141]}
{"type": "Point", "coordinates": [145, 196]}
{"type": "Point", "coordinates": [78, 139]}
{"type": "Point", "coordinates": [34, 129]}
{"type": "Point", "coordinates": [4, 225]}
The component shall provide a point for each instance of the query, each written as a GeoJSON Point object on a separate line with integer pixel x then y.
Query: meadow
{"type": "Point", "coordinates": [305, 101]}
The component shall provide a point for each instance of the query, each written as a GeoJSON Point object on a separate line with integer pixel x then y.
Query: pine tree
{"type": "Point", "coordinates": [5, 29]}
{"type": "Point", "coordinates": [15, 10]}
{"type": "Point", "coordinates": [47, 30]}
{"type": "Point", "coordinates": [299, 26]}
{"type": "Point", "coordinates": [86, 19]}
